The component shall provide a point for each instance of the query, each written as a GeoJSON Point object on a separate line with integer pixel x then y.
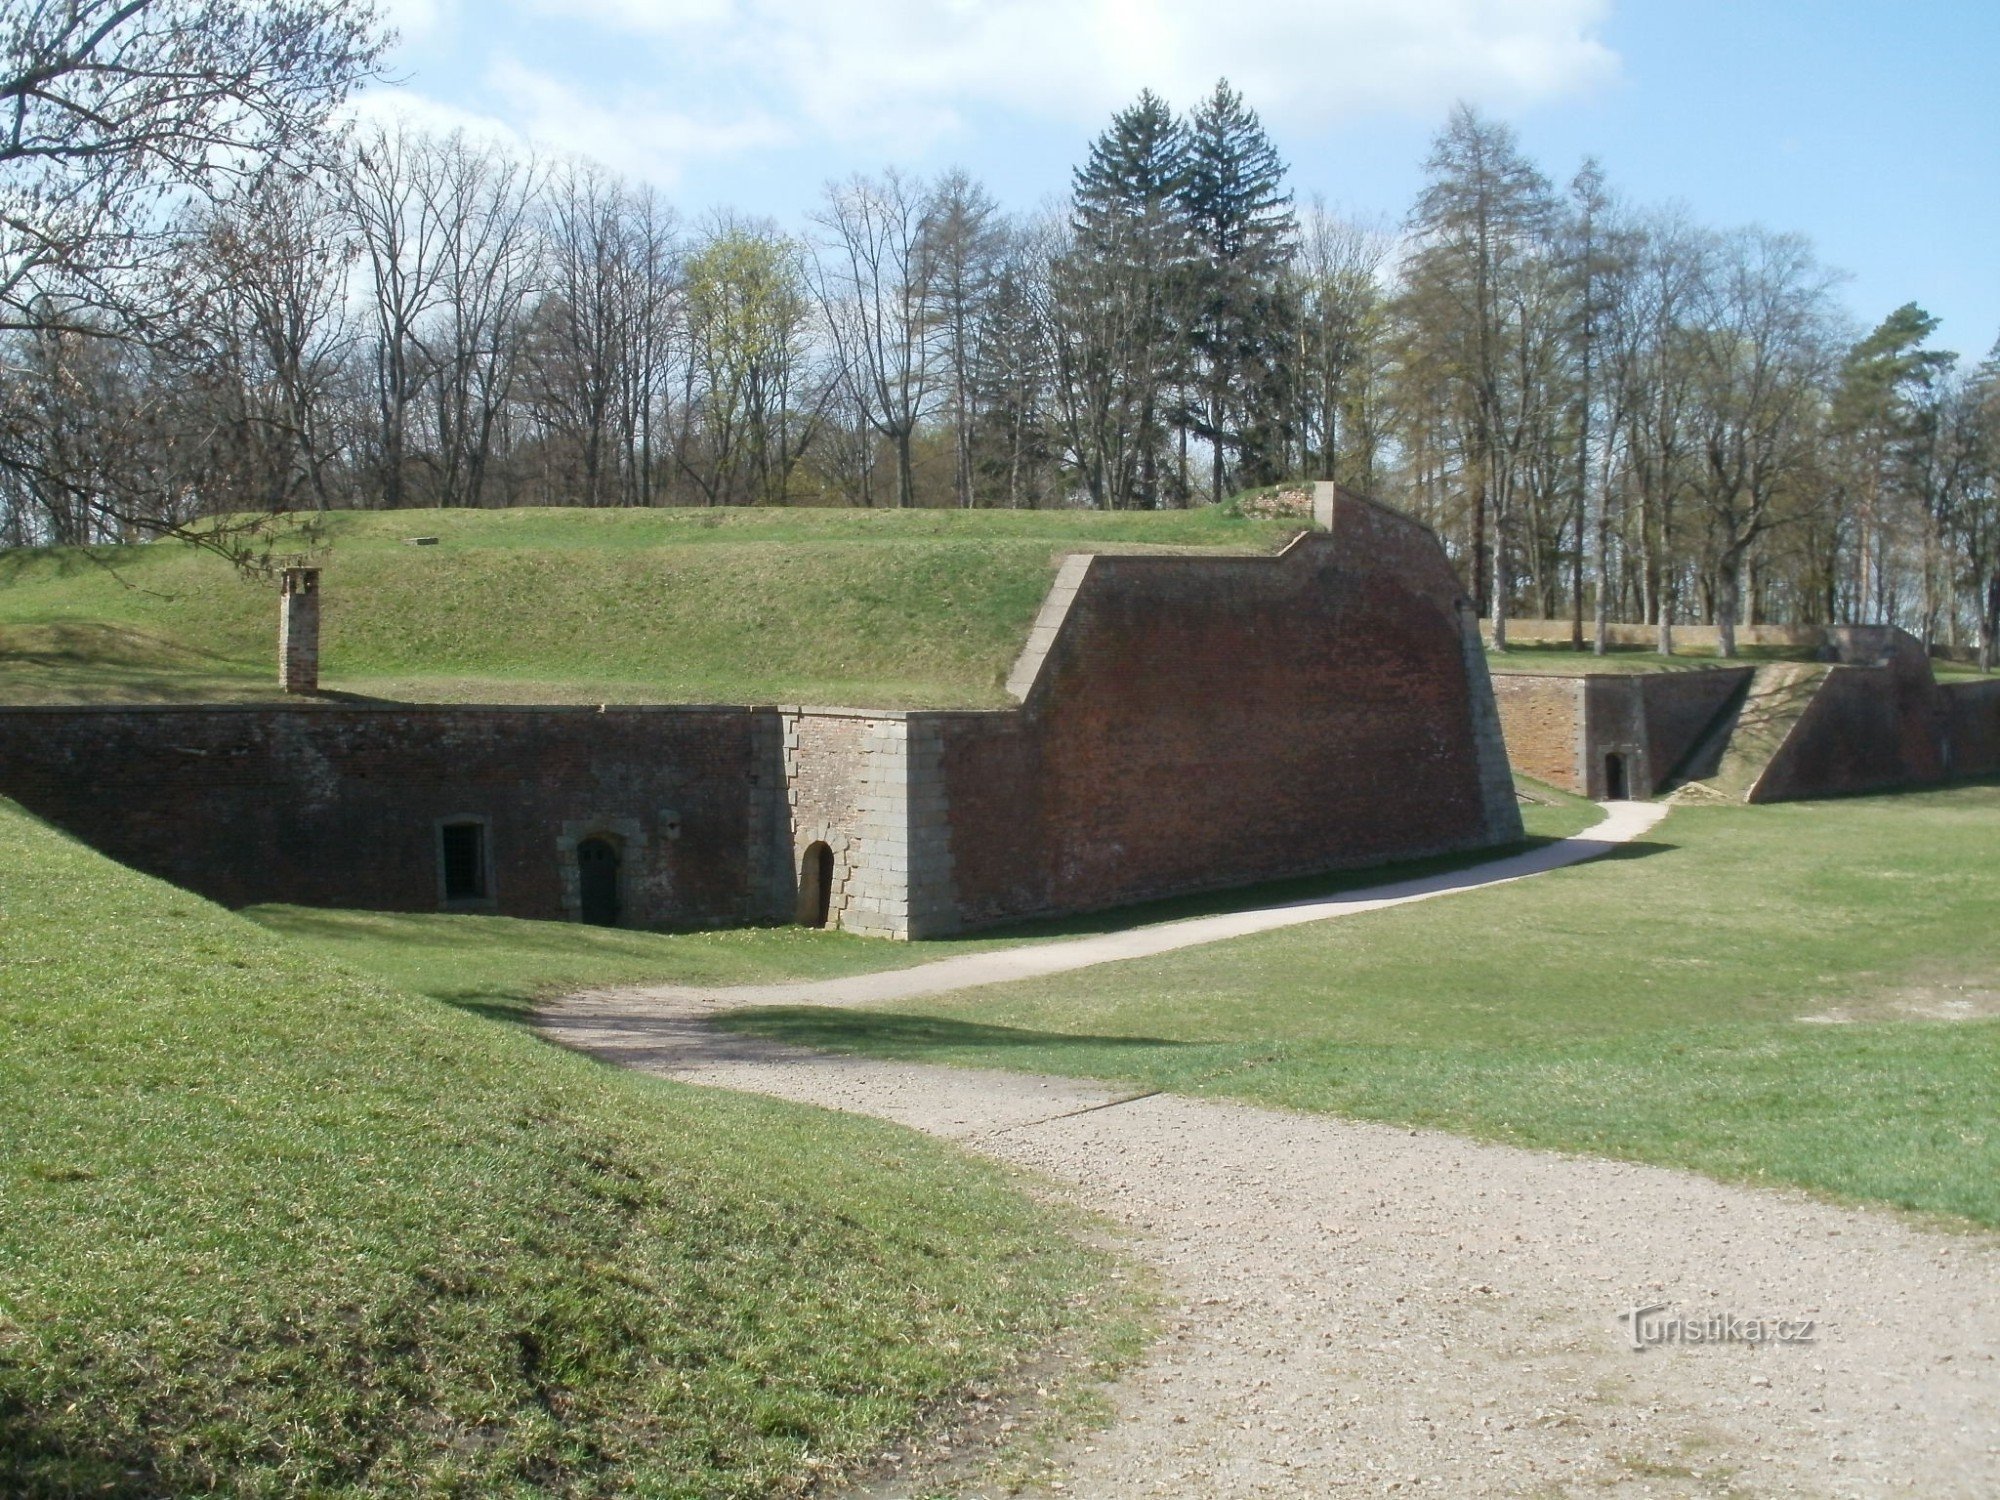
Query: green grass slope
{"type": "Point", "coordinates": [271, 1227]}
{"type": "Point", "coordinates": [882, 608]}
{"type": "Point", "coordinates": [1802, 993]}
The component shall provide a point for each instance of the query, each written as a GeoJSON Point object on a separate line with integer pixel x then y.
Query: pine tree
{"type": "Point", "coordinates": [1244, 233]}
{"type": "Point", "coordinates": [1123, 298]}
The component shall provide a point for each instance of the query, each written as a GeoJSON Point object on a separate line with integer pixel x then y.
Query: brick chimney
{"type": "Point", "coordinates": [298, 631]}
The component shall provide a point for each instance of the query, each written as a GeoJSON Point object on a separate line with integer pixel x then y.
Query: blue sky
{"type": "Point", "coordinates": [1874, 128]}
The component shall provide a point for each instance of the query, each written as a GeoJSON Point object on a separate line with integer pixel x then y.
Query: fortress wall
{"type": "Point", "coordinates": [1542, 717]}
{"type": "Point", "coordinates": [1202, 722]}
{"type": "Point", "coordinates": [1866, 729]}
{"type": "Point", "coordinates": [1561, 728]}
{"type": "Point", "coordinates": [339, 806]}
{"type": "Point", "coordinates": [1188, 723]}
{"type": "Point", "coordinates": [1972, 710]}
{"type": "Point", "coordinates": [1677, 708]}
{"type": "Point", "coordinates": [1647, 637]}
{"type": "Point", "coordinates": [868, 785]}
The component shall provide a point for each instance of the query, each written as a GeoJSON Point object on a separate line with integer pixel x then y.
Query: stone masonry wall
{"type": "Point", "coordinates": [1197, 723]}
{"type": "Point", "coordinates": [337, 806]}
{"type": "Point", "coordinates": [868, 785]}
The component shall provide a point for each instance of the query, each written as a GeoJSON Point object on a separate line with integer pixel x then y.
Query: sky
{"type": "Point", "coordinates": [1872, 127]}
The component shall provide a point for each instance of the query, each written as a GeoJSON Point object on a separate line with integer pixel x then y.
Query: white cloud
{"type": "Point", "coordinates": [631, 136]}
{"type": "Point", "coordinates": [390, 107]}
{"type": "Point", "coordinates": [674, 81]}
{"type": "Point", "coordinates": [416, 20]}
{"type": "Point", "coordinates": [907, 70]}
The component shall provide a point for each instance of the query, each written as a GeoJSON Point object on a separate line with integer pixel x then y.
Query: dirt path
{"type": "Point", "coordinates": [1358, 1309]}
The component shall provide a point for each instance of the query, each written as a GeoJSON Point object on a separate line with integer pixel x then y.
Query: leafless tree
{"type": "Point", "coordinates": [881, 307]}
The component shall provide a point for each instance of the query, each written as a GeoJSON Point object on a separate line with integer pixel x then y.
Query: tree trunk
{"type": "Point", "coordinates": [1728, 599]}
{"type": "Point", "coordinates": [906, 479]}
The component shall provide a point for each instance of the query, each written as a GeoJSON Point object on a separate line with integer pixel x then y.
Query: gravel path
{"type": "Point", "coordinates": [1357, 1309]}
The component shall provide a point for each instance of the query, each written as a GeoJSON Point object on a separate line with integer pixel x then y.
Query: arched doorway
{"type": "Point", "coordinates": [597, 881]}
{"type": "Point", "coordinates": [1615, 788]}
{"type": "Point", "coordinates": [815, 885]}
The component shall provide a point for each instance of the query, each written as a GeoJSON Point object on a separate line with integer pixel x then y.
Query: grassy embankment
{"type": "Point", "coordinates": [268, 1225]}
{"type": "Point", "coordinates": [1802, 993]}
{"type": "Point", "coordinates": [884, 608]}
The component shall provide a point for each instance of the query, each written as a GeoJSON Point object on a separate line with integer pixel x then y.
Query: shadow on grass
{"type": "Point", "coordinates": [830, 1029]}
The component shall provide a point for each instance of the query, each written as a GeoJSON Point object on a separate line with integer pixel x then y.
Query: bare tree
{"type": "Point", "coordinates": [1336, 271]}
{"type": "Point", "coordinates": [391, 176]}
{"type": "Point", "coordinates": [264, 313]}
{"type": "Point", "coordinates": [962, 242]}
{"type": "Point", "coordinates": [880, 306]}
{"type": "Point", "coordinates": [1763, 359]}
{"type": "Point", "coordinates": [110, 105]}
{"type": "Point", "coordinates": [480, 204]}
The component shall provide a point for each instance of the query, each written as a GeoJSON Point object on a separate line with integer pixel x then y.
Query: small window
{"type": "Point", "coordinates": [462, 853]}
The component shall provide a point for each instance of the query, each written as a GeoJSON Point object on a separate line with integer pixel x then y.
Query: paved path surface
{"type": "Point", "coordinates": [1357, 1309]}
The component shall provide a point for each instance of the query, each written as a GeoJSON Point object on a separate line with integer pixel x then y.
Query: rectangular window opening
{"type": "Point", "coordinates": [462, 849]}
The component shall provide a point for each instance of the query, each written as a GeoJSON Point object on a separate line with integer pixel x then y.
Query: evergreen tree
{"type": "Point", "coordinates": [1122, 291]}
{"type": "Point", "coordinates": [1244, 231]}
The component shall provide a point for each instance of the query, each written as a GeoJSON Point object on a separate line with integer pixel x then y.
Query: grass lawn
{"type": "Point", "coordinates": [882, 608]}
{"type": "Point", "coordinates": [1646, 1006]}
{"type": "Point", "coordinates": [499, 966]}
{"type": "Point", "coordinates": [270, 1226]}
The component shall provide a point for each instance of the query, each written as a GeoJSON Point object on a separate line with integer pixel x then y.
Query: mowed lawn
{"type": "Point", "coordinates": [1749, 992]}
{"type": "Point", "coordinates": [880, 608]}
{"type": "Point", "coordinates": [271, 1226]}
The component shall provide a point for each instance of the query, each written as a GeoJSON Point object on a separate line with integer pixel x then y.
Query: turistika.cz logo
{"type": "Point", "coordinates": [1653, 1326]}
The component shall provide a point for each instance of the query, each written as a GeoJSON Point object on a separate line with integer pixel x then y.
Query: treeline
{"type": "Point", "coordinates": [1606, 411]}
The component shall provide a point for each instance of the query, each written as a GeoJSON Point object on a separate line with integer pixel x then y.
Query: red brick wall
{"type": "Point", "coordinates": [1866, 729]}
{"type": "Point", "coordinates": [1541, 716]}
{"type": "Point", "coordinates": [1560, 728]}
{"type": "Point", "coordinates": [337, 806]}
{"type": "Point", "coordinates": [1202, 723]}
{"type": "Point", "coordinates": [1678, 708]}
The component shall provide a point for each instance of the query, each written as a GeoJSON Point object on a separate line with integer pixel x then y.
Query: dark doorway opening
{"type": "Point", "coordinates": [1615, 789]}
{"type": "Point", "coordinates": [816, 885]}
{"type": "Point", "coordinates": [462, 852]}
{"type": "Point", "coordinates": [597, 882]}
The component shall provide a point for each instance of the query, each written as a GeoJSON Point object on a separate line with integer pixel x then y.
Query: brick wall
{"type": "Point", "coordinates": [1866, 729]}
{"type": "Point", "coordinates": [1201, 722]}
{"type": "Point", "coordinates": [1972, 710]}
{"type": "Point", "coordinates": [1542, 717]}
{"type": "Point", "coordinates": [1678, 708]}
{"type": "Point", "coordinates": [337, 806]}
{"type": "Point", "coordinates": [1561, 729]}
